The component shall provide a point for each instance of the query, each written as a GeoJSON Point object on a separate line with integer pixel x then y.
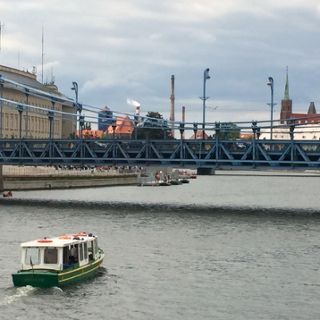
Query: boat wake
{"type": "Point", "coordinates": [19, 293]}
{"type": "Point", "coordinates": [28, 291]}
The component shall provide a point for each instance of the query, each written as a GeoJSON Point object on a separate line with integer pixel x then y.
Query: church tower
{"type": "Point", "coordinates": [286, 103]}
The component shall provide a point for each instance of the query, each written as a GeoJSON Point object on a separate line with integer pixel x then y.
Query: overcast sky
{"type": "Point", "coordinates": [119, 49]}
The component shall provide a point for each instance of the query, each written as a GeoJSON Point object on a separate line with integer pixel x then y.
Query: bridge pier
{"type": "Point", "coordinates": [202, 171]}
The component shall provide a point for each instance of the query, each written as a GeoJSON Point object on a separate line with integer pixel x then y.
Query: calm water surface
{"type": "Point", "coordinates": [217, 248]}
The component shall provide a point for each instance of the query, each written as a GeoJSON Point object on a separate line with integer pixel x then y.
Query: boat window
{"type": "Point", "coordinates": [90, 250]}
{"type": "Point", "coordinates": [66, 255]}
{"type": "Point", "coordinates": [81, 251]}
{"type": "Point", "coordinates": [51, 255]}
{"type": "Point", "coordinates": [85, 246]}
{"type": "Point", "coordinates": [95, 246]}
{"type": "Point", "coordinates": [32, 256]}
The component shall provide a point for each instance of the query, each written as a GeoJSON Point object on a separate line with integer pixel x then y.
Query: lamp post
{"type": "Point", "coordinates": [1, 105]}
{"type": "Point", "coordinates": [77, 104]}
{"type": "Point", "coordinates": [50, 118]}
{"type": "Point", "coordinates": [75, 88]}
{"type": "Point", "coordinates": [204, 98]}
{"type": "Point", "coordinates": [27, 113]}
{"type": "Point", "coordinates": [270, 83]}
{"type": "Point", "coordinates": [20, 110]}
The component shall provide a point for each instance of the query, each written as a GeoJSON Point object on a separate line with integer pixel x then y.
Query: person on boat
{"type": "Point", "coordinates": [73, 254]}
{"type": "Point", "coordinates": [7, 194]}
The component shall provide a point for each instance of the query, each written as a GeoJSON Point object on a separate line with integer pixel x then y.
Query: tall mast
{"type": "Point", "coordinates": [1, 26]}
{"type": "Point", "coordinates": [286, 89]}
{"type": "Point", "coordinates": [42, 54]}
{"type": "Point", "coordinates": [172, 98]}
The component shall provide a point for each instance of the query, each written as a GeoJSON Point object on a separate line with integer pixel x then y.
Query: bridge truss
{"type": "Point", "coordinates": [186, 153]}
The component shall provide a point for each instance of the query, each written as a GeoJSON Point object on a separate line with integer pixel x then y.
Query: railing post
{"type": "Point", "coordinates": [181, 129]}
{"type": "Point", "coordinates": [1, 106]}
{"type": "Point", "coordinates": [114, 126]}
{"type": "Point", "coordinates": [136, 121]}
{"type": "Point", "coordinates": [52, 103]}
{"type": "Point", "coordinates": [254, 130]}
{"type": "Point", "coordinates": [291, 128]}
{"type": "Point", "coordinates": [20, 110]}
{"type": "Point", "coordinates": [217, 136]}
{"type": "Point", "coordinates": [195, 130]}
{"type": "Point", "coordinates": [50, 117]}
{"type": "Point", "coordinates": [81, 126]}
{"type": "Point", "coordinates": [27, 114]}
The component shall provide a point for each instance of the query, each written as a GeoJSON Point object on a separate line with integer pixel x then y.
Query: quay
{"type": "Point", "coordinates": [36, 178]}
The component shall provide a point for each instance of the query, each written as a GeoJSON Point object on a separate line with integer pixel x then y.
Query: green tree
{"type": "Point", "coordinates": [153, 127]}
{"type": "Point", "coordinates": [228, 131]}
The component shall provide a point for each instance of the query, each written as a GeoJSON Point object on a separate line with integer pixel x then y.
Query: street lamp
{"type": "Point", "coordinates": [270, 83]}
{"type": "Point", "coordinates": [77, 104]}
{"type": "Point", "coordinates": [204, 98]}
{"type": "Point", "coordinates": [75, 88]}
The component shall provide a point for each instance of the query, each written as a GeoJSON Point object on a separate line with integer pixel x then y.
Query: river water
{"type": "Point", "coordinates": [220, 247]}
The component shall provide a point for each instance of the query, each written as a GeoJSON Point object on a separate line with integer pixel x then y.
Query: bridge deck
{"type": "Point", "coordinates": [187, 153]}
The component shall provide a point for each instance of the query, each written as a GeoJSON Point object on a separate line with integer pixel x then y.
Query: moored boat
{"type": "Point", "coordinates": [58, 261]}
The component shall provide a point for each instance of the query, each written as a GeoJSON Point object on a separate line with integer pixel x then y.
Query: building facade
{"type": "Point", "coordinates": [34, 120]}
{"type": "Point", "coordinates": [306, 125]}
{"type": "Point", "coordinates": [104, 119]}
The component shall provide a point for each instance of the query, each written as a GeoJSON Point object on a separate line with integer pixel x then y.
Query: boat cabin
{"type": "Point", "coordinates": [59, 253]}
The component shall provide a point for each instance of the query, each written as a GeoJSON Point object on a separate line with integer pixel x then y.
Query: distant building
{"type": "Point", "coordinates": [88, 133]}
{"type": "Point", "coordinates": [124, 127]}
{"type": "Point", "coordinates": [287, 116]}
{"type": "Point", "coordinates": [104, 119]}
{"type": "Point", "coordinates": [35, 122]}
{"type": "Point", "coordinates": [306, 124]}
{"type": "Point", "coordinates": [199, 135]}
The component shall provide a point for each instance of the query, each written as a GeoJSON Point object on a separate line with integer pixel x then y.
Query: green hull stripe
{"type": "Point", "coordinates": [81, 273]}
{"type": "Point", "coordinates": [63, 273]}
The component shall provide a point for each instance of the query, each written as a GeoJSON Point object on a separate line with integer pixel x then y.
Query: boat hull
{"type": "Point", "coordinates": [50, 278]}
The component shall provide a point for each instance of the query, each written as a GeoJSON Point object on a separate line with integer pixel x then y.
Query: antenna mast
{"type": "Point", "coordinates": [42, 55]}
{"type": "Point", "coordinates": [1, 26]}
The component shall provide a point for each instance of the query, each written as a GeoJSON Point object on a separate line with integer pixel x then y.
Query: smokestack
{"type": "Point", "coordinates": [183, 117]}
{"type": "Point", "coordinates": [183, 114]}
{"type": "Point", "coordinates": [138, 110]}
{"type": "Point", "coordinates": [172, 104]}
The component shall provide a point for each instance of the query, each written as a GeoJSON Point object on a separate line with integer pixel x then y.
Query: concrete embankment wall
{"type": "Point", "coordinates": [65, 181]}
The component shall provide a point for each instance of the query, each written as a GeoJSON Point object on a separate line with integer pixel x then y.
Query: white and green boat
{"type": "Point", "coordinates": [58, 261]}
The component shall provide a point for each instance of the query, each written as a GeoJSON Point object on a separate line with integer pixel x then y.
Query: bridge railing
{"type": "Point", "coordinates": [187, 153]}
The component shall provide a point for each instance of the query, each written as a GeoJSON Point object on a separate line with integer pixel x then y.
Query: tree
{"type": "Point", "coordinates": [228, 131]}
{"type": "Point", "coordinates": [153, 127]}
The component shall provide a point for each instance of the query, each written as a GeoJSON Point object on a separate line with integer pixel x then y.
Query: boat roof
{"type": "Point", "coordinates": [60, 241]}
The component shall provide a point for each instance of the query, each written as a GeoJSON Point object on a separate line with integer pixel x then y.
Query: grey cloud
{"type": "Point", "coordinates": [121, 49]}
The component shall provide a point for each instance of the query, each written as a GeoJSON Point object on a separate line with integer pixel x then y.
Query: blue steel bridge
{"type": "Point", "coordinates": [179, 153]}
{"type": "Point", "coordinates": [192, 153]}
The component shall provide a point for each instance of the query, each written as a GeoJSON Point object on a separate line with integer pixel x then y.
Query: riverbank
{"type": "Point", "coordinates": [39, 178]}
{"type": "Point", "coordinates": [272, 172]}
